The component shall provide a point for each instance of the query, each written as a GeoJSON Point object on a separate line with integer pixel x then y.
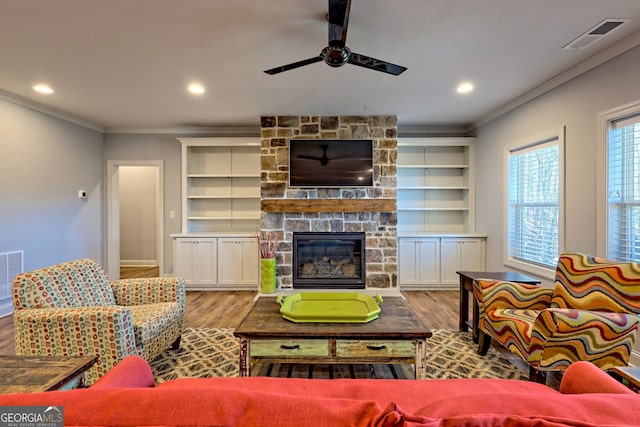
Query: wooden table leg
{"type": "Point", "coordinates": [476, 321]}
{"type": "Point", "coordinates": [464, 304]}
{"type": "Point", "coordinates": [245, 362]}
{"type": "Point", "coordinates": [421, 368]}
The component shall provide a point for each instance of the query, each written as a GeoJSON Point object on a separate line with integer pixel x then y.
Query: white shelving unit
{"type": "Point", "coordinates": [220, 184]}
{"type": "Point", "coordinates": [217, 248]}
{"type": "Point", "coordinates": [436, 185]}
{"type": "Point", "coordinates": [436, 212]}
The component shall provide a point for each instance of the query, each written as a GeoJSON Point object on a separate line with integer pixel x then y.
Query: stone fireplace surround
{"type": "Point", "coordinates": [371, 210]}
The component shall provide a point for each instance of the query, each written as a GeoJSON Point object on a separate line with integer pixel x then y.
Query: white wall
{"type": "Point", "coordinates": [574, 105]}
{"type": "Point", "coordinates": [44, 161]}
{"type": "Point", "coordinates": [138, 222]}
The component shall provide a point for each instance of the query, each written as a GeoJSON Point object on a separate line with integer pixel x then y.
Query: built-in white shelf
{"type": "Point", "coordinates": [220, 184]}
{"type": "Point", "coordinates": [436, 188]}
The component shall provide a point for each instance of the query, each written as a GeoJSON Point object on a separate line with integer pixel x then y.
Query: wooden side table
{"type": "Point", "coordinates": [629, 376]}
{"type": "Point", "coordinates": [466, 289]}
{"type": "Point", "coordinates": [28, 374]}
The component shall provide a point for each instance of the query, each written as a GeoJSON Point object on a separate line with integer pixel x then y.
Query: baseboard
{"type": "Point", "coordinates": [138, 263]}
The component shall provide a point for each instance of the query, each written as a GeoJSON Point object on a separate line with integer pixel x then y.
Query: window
{"type": "Point", "coordinates": [623, 188]}
{"type": "Point", "coordinates": [535, 203]}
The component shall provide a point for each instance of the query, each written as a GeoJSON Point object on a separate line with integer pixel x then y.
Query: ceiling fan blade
{"type": "Point", "coordinates": [375, 64]}
{"type": "Point", "coordinates": [338, 22]}
{"type": "Point", "coordinates": [294, 65]}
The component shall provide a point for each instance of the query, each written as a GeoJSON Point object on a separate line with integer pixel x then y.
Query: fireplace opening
{"type": "Point", "coordinates": [329, 260]}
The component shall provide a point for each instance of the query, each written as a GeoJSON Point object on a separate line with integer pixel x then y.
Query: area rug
{"type": "Point", "coordinates": [208, 352]}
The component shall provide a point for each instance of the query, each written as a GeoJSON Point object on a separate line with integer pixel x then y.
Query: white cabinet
{"type": "Point", "coordinates": [238, 261]}
{"type": "Point", "coordinates": [458, 254]}
{"type": "Point", "coordinates": [419, 261]}
{"type": "Point", "coordinates": [436, 186]}
{"type": "Point", "coordinates": [220, 214]}
{"type": "Point", "coordinates": [209, 262]}
{"type": "Point", "coordinates": [196, 260]}
{"type": "Point", "coordinates": [432, 262]}
{"type": "Point", "coordinates": [220, 184]}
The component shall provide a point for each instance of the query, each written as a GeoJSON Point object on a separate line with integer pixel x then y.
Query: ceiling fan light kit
{"type": "Point", "coordinates": [336, 54]}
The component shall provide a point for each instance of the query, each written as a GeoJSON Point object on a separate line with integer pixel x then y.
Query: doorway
{"type": "Point", "coordinates": [135, 222]}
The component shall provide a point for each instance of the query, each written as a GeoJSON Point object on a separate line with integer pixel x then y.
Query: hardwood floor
{"type": "Point", "coordinates": [225, 309]}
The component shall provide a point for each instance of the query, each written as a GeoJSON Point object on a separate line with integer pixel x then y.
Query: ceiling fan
{"type": "Point", "coordinates": [337, 53]}
{"type": "Point", "coordinates": [324, 160]}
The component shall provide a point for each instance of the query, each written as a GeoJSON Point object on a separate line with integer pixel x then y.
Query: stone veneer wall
{"type": "Point", "coordinates": [380, 228]}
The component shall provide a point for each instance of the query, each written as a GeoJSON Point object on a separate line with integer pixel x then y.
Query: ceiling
{"type": "Point", "coordinates": [124, 65]}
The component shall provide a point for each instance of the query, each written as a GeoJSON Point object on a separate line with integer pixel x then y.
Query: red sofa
{"type": "Point", "coordinates": [127, 396]}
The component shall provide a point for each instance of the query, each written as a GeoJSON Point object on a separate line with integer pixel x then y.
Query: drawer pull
{"type": "Point", "coordinates": [376, 347]}
{"type": "Point", "coordinates": [290, 347]}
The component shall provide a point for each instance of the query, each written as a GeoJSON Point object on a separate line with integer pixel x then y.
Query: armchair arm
{"type": "Point", "coordinates": [495, 294]}
{"type": "Point", "coordinates": [149, 291]}
{"type": "Point", "coordinates": [584, 377]}
{"type": "Point", "coordinates": [106, 332]}
{"type": "Point", "coordinates": [131, 372]}
{"type": "Point", "coordinates": [561, 336]}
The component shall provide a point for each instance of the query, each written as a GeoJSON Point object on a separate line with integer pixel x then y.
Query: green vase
{"type": "Point", "coordinates": [267, 275]}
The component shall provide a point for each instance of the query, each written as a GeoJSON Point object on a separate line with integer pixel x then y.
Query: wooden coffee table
{"type": "Point", "coordinates": [29, 374]}
{"type": "Point", "coordinates": [396, 336]}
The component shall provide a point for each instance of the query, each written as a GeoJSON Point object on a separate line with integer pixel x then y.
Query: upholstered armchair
{"type": "Point", "coordinates": [72, 309]}
{"type": "Point", "coordinates": [591, 314]}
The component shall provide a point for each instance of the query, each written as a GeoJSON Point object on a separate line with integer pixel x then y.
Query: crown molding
{"type": "Point", "coordinates": [220, 131]}
{"type": "Point", "coordinates": [417, 131]}
{"type": "Point", "coordinates": [625, 45]}
{"type": "Point", "coordinates": [27, 103]}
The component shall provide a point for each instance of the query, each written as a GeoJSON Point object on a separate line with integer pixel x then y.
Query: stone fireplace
{"type": "Point", "coordinates": [329, 260]}
{"type": "Point", "coordinates": [370, 211]}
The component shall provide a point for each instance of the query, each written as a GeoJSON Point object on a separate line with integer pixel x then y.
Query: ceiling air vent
{"type": "Point", "coordinates": [595, 33]}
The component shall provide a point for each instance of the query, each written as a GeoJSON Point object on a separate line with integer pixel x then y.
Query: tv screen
{"type": "Point", "coordinates": [330, 163]}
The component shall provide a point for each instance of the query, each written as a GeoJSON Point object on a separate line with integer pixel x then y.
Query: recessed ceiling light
{"type": "Point", "coordinates": [43, 89]}
{"type": "Point", "coordinates": [196, 88]}
{"type": "Point", "coordinates": [465, 87]}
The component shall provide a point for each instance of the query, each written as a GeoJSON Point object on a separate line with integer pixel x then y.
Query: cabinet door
{"type": "Point", "coordinates": [460, 254]}
{"type": "Point", "coordinates": [238, 261]}
{"type": "Point", "coordinates": [472, 254]}
{"type": "Point", "coordinates": [206, 261]}
{"type": "Point", "coordinates": [429, 261]}
{"type": "Point", "coordinates": [196, 261]}
{"type": "Point", "coordinates": [449, 261]}
{"type": "Point", "coordinates": [408, 253]}
{"type": "Point", "coordinates": [419, 261]}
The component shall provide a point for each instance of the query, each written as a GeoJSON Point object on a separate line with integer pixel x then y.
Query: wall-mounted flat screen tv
{"type": "Point", "coordinates": [330, 163]}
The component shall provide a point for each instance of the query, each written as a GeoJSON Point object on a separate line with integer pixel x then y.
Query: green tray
{"type": "Point", "coordinates": [333, 307]}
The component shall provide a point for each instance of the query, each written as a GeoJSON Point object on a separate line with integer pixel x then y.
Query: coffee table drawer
{"type": "Point", "coordinates": [349, 348]}
{"type": "Point", "coordinates": [289, 348]}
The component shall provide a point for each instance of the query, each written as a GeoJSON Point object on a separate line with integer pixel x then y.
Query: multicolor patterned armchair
{"type": "Point", "coordinates": [73, 309]}
{"type": "Point", "coordinates": [591, 314]}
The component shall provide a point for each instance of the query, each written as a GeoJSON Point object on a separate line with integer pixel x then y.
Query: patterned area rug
{"type": "Point", "coordinates": [206, 353]}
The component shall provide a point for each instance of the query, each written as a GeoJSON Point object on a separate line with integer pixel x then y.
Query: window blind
{"type": "Point", "coordinates": [533, 203]}
{"type": "Point", "coordinates": [623, 233]}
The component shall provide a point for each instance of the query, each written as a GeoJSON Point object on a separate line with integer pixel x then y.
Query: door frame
{"type": "Point", "coordinates": [113, 213]}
